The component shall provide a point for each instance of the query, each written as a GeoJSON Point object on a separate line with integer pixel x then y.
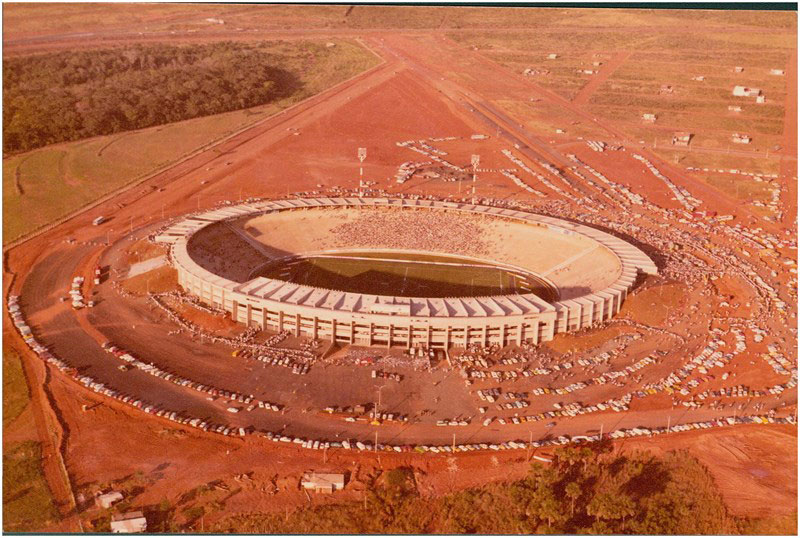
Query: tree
{"type": "Point", "coordinates": [573, 491]}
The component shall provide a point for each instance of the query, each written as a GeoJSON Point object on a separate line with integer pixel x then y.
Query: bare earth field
{"type": "Point", "coordinates": [726, 286]}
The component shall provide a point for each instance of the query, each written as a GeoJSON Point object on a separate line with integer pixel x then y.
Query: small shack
{"type": "Point", "coordinates": [128, 522]}
{"type": "Point", "coordinates": [552, 56]}
{"type": "Point", "coordinates": [777, 72]}
{"type": "Point", "coordinates": [322, 482]}
{"type": "Point", "coordinates": [744, 91]}
{"type": "Point", "coordinates": [650, 118]}
{"type": "Point", "coordinates": [738, 69]}
{"type": "Point", "coordinates": [681, 139]}
{"type": "Point", "coordinates": [741, 138]}
{"type": "Point", "coordinates": [105, 500]}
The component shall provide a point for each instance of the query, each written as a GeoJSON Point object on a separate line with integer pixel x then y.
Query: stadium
{"type": "Point", "coordinates": [400, 272]}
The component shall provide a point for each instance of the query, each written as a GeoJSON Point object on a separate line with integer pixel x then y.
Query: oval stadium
{"type": "Point", "coordinates": [419, 273]}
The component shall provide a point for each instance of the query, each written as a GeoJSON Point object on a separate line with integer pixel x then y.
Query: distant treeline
{"type": "Point", "coordinates": [67, 96]}
{"type": "Point", "coordinates": [584, 491]}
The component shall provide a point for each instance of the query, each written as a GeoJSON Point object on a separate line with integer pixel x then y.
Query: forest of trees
{"type": "Point", "coordinates": [585, 490]}
{"type": "Point", "coordinates": [65, 96]}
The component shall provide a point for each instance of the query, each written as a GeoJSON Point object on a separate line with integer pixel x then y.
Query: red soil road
{"type": "Point", "coordinates": [597, 80]}
{"type": "Point", "coordinates": [449, 54]}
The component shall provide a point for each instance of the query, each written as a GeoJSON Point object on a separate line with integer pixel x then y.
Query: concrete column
{"type": "Point", "coordinates": [549, 330]}
{"type": "Point", "coordinates": [371, 331]}
{"type": "Point", "coordinates": [352, 331]}
{"type": "Point", "coordinates": [280, 320]}
{"type": "Point", "coordinates": [235, 310]}
{"type": "Point", "coordinates": [389, 338]}
{"type": "Point", "coordinates": [316, 327]}
{"type": "Point", "coordinates": [430, 331]}
{"type": "Point", "coordinates": [485, 335]}
{"type": "Point", "coordinates": [535, 327]}
{"type": "Point", "coordinates": [333, 330]}
{"type": "Point", "coordinates": [410, 336]}
{"type": "Point", "coordinates": [520, 335]}
{"type": "Point", "coordinates": [447, 338]}
{"type": "Point", "coordinates": [297, 325]}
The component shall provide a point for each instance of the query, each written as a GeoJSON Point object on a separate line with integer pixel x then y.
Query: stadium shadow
{"type": "Point", "coordinates": [376, 282]}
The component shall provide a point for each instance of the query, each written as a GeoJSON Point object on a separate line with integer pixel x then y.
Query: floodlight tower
{"type": "Point", "coordinates": [476, 159]}
{"type": "Point", "coordinates": [362, 154]}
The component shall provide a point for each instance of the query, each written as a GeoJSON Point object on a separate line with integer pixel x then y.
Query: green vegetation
{"type": "Point", "coordinates": [27, 503]}
{"type": "Point", "coordinates": [586, 490]}
{"type": "Point", "coordinates": [66, 96]}
{"type": "Point", "coordinates": [45, 184]}
{"type": "Point", "coordinates": [15, 389]}
{"type": "Point", "coordinates": [404, 275]}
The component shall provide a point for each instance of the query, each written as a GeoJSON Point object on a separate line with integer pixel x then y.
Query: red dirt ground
{"type": "Point", "coordinates": [755, 467]}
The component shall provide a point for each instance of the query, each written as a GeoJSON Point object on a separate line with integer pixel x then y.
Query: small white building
{"type": "Point", "coordinates": [761, 99]}
{"type": "Point", "coordinates": [741, 138]}
{"type": "Point", "coordinates": [744, 91]}
{"type": "Point", "coordinates": [777, 72]}
{"type": "Point", "coordinates": [107, 499]}
{"type": "Point", "coordinates": [681, 139]}
{"type": "Point", "coordinates": [734, 108]}
{"type": "Point", "coordinates": [699, 78]}
{"type": "Point", "coordinates": [322, 482]}
{"type": "Point", "coordinates": [552, 56]}
{"type": "Point", "coordinates": [128, 522]}
{"type": "Point", "coordinates": [650, 118]}
{"type": "Point", "coordinates": [738, 69]}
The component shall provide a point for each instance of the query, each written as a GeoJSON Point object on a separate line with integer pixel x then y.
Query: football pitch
{"type": "Point", "coordinates": [403, 275]}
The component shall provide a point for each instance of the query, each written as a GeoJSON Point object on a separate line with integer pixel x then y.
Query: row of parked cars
{"type": "Point", "coordinates": [238, 431]}
{"type": "Point", "coordinates": [213, 392]}
{"type": "Point", "coordinates": [297, 367]}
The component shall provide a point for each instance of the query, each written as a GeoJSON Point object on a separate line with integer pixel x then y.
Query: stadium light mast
{"type": "Point", "coordinates": [476, 159]}
{"type": "Point", "coordinates": [362, 154]}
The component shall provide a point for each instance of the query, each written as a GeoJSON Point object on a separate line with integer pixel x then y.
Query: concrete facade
{"type": "Point", "coordinates": [384, 320]}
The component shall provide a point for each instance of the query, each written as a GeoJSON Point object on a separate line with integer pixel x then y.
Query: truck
{"type": "Point", "coordinates": [98, 221]}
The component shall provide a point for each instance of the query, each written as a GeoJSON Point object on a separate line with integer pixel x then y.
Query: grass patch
{"type": "Point", "coordinates": [57, 180]}
{"type": "Point", "coordinates": [739, 187]}
{"type": "Point", "coordinates": [722, 161]}
{"type": "Point", "coordinates": [27, 503]}
{"type": "Point", "coordinates": [15, 388]}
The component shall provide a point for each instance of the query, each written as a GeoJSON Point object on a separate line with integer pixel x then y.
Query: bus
{"type": "Point", "coordinates": [98, 221]}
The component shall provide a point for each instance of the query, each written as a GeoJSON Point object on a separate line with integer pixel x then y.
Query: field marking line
{"type": "Point", "coordinates": [571, 259]}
